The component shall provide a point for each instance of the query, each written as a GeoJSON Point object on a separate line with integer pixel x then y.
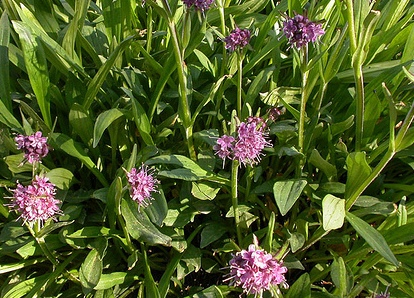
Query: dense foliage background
{"type": "Point", "coordinates": [115, 84]}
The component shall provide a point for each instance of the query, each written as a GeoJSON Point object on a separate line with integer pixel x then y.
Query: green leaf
{"type": "Point", "coordinates": [61, 177]}
{"type": "Point", "coordinates": [358, 171]}
{"type": "Point", "coordinates": [103, 121]}
{"type": "Point", "coordinates": [372, 237]}
{"type": "Point", "coordinates": [210, 292]}
{"type": "Point", "coordinates": [287, 192]}
{"type": "Point", "coordinates": [140, 227]}
{"type": "Point", "coordinates": [97, 81]}
{"type": "Point", "coordinates": [296, 240]}
{"type": "Point", "coordinates": [301, 288]}
{"type": "Point", "coordinates": [81, 122]}
{"type": "Point", "coordinates": [91, 271]}
{"type": "Point", "coordinates": [205, 61]}
{"type": "Point", "coordinates": [74, 149]}
{"type": "Point", "coordinates": [328, 169]}
{"type": "Point", "coordinates": [8, 119]}
{"type": "Point", "coordinates": [112, 279]}
{"type": "Point", "coordinates": [36, 66]}
{"type": "Point", "coordinates": [339, 275]}
{"type": "Point", "coordinates": [5, 97]}
{"type": "Point", "coordinates": [333, 210]}
{"type": "Point", "coordinates": [22, 288]}
{"type": "Point", "coordinates": [140, 118]}
{"type": "Point", "coordinates": [211, 233]}
{"type": "Point", "coordinates": [158, 209]}
{"type": "Point", "coordinates": [204, 190]}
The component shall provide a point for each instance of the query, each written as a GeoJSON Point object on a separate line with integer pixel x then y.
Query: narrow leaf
{"type": "Point", "coordinates": [372, 237]}
{"type": "Point", "coordinates": [102, 122]}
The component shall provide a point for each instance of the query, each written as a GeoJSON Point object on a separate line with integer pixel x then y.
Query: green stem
{"type": "Point", "coordinates": [234, 198]}
{"type": "Point", "coordinates": [239, 83]}
{"type": "Point", "coordinates": [184, 110]}
{"type": "Point", "coordinates": [302, 109]}
{"type": "Point", "coordinates": [360, 99]}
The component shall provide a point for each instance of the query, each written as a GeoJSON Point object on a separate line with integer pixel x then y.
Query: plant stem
{"type": "Point", "coordinates": [360, 99]}
{"type": "Point", "coordinates": [302, 109]}
{"type": "Point", "coordinates": [239, 83]}
{"type": "Point", "coordinates": [234, 198]}
{"type": "Point", "coordinates": [184, 110]}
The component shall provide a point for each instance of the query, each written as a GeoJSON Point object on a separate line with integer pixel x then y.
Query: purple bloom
{"type": "Point", "coordinates": [34, 146]}
{"type": "Point", "coordinates": [36, 202]}
{"type": "Point", "coordinates": [255, 270]}
{"type": "Point", "coordinates": [251, 141]}
{"type": "Point", "coordinates": [238, 38]}
{"type": "Point", "coordinates": [143, 184]}
{"type": "Point", "coordinates": [248, 145]}
{"type": "Point", "coordinates": [224, 147]}
{"type": "Point", "coordinates": [300, 31]}
{"type": "Point", "coordinates": [201, 5]}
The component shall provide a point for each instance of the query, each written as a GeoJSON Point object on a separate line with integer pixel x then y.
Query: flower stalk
{"type": "Point", "coordinates": [234, 198]}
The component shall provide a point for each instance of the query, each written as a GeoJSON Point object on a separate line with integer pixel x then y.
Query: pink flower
{"type": "Point", "coordinates": [237, 39]}
{"type": "Point", "coordinates": [255, 270]}
{"type": "Point", "coordinates": [248, 145]}
{"type": "Point", "coordinates": [142, 185]}
{"type": "Point", "coordinates": [300, 31]}
{"type": "Point", "coordinates": [34, 146]}
{"type": "Point", "coordinates": [36, 202]}
{"type": "Point", "coordinates": [201, 5]}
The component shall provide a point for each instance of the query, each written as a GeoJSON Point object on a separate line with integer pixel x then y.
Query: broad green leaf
{"type": "Point", "coordinates": [204, 60]}
{"type": "Point", "coordinates": [22, 288]}
{"type": "Point", "coordinates": [358, 171]}
{"type": "Point", "coordinates": [112, 279]}
{"type": "Point", "coordinates": [158, 209]}
{"type": "Point", "coordinates": [36, 66]}
{"type": "Point", "coordinates": [189, 169]}
{"type": "Point", "coordinates": [5, 97]}
{"type": "Point", "coordinates": [333, 210]}
{"type": "Point", "coordinates": [62, 178]}
{"type": "Point", "coordinates": [140, 118]}
{"type": "Point", "coordinates": [327, 168]}
{"type": "Point", "coordinates": [90, 271]}
{"type": "Point", "coordinates": [287, 192]}
{"type": "Point", "coordinates": [204, 190]}
{"type": "Point", "coordinates": [74, 149]}
{"type": "Point", "coordinates": [7, 118]}
{"type": "Point", "coordinates": [93, 232]}
{"type": "Point", "coordinates": [103, 121]}
{"type": "Point", "coordinates": [339, 275]}
{"type": "Point", "coordinates": [210, 292]}
{"type": "Point", "coordinates": [296, 240]}
{"type": "Point", "coordinates": [211, 233]}
{"type": "Point", "coordinates": [140, 227]}
{"type": "Point", "coordinates": [6, 268]}
{"type": "Point", "coordinates": [151, 289]}
{"type": "Point", "coordinates": [82, 123]}
{"type": "Point", "coordinates": [372, 237]}
{"type": "Point", "coordinates": [301, 288]}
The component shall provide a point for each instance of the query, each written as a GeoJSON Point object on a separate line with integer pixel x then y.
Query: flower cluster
{"type": "Point", "coordinates": [237, 39]}
{"type": "Point", "coordinates": [247, 146]}
{"type": "Point", "coordinates": [255, 270]}
{"type": "Point", "coordinates": [34, 146]}
{"type": "Point", "coordinates": [300, 31]}
{"type": "Point", "coordinates": [36, 202]}
{"type": "Point", "coordinates": [200, 5]}
{"type": "Point", "coordinates": [143, 184]}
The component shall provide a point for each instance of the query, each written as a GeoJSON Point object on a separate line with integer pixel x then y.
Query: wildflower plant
{"type": "Point", "coordinates": [323, 177]}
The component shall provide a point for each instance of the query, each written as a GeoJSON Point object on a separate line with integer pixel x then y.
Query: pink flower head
{"type": "Point", "coordinates": [300, 31]}
{"type": "Point", "coordinates": [248, 145]}
{"type": "Point", "coordinates": [224, 147]}
{"type": "Point", "coordinates": [237, 39]}
{"type": "Point", "coordinates": [255, 270]}
{"type": "Point", "coordinates": [142, 185]}
{"type": "Point", "coordinates": [250, 141]}
{"type": "Point", "coordinates": [36, 202]}
{"type": "Point", "coordinates": [34, 146]}
{"type": "Point", "coordinates": [201, 5]}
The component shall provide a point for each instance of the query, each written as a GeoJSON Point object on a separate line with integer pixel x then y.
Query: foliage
{"type": "Point", "coordinates": [118, 84]}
